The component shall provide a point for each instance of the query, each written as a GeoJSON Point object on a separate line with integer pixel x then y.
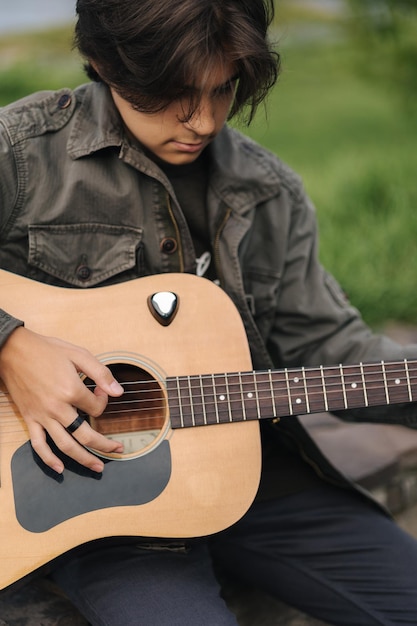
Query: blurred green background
{"type": "Point", "coordinates": [343, 115]}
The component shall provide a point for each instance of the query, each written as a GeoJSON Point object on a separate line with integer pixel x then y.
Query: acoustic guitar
{"type": "Point", "coordinates": [188, 417]}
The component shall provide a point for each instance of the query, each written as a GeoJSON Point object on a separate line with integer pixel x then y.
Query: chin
{"type": "Point", "coordinates": [181, 159]}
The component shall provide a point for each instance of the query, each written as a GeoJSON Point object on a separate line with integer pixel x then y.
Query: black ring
{"type": "Point", "coordinates": [75, 424]}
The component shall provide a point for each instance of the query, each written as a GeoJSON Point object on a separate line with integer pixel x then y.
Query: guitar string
{"type": "Point", "coordinates": [225, 407]}
{"type": "Point", "coordinates": [256, 379]}
{"type": "Point", "coordinates": [248, 386]}
{"type": "Point", "coordinates": [300, 374]}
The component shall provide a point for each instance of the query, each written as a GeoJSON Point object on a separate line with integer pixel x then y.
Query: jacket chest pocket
{"type": "Point", "coordinates": [85, 255]}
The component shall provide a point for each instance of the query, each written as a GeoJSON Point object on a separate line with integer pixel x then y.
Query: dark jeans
{"type": "Point", "coordinates": [326, 551]}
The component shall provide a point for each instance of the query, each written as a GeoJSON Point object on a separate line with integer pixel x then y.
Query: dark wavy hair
{"type": "Point", "coordinates": [150, 51]}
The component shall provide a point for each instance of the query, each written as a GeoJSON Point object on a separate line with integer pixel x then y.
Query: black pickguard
{"type": "Point", "coordinates": [44, 499]}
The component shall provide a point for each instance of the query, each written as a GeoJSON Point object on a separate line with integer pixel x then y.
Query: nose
{"type": "Point", "coordinates": [203, 120]}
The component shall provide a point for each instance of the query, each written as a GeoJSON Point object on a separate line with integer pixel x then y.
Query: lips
{"type": "Point", "coordinates": [189, 147]}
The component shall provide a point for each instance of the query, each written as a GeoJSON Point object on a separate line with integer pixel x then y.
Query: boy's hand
{"type": "Point", "coordinates": [42, 377]}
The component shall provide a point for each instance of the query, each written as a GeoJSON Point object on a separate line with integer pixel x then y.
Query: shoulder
{"type": "Point", "coordinates": [250, 159]}
{"type": "Point", "coordinates": [40, 113]}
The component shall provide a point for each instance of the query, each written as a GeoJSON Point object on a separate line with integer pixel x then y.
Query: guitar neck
{"type": "Point", "coordinates": [241, 396]}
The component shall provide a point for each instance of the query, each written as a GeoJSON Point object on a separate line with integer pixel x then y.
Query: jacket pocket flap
{"type": "Point", "coordinates": [83, 255]}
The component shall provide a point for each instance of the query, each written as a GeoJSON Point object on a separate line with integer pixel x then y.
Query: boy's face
{"type": "Point", "coordinates": [180, 142]}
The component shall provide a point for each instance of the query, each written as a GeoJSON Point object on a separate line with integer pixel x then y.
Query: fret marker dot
{"type": "Point", "coordinates": [354, 385]}
{"type": "Point", "coordinates": [298, 401]}
{"type": "Point", "coordinates": [222, 398]}
{"type": "Point", "coordinates": [397, 381]}
{"type": "Point", "coordinates": [250, 395]}
{"type": "Point", "coordinates": [296, 380]}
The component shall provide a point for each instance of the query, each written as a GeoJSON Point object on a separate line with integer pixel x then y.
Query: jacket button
{"type": "Point", "coordinates": [83, 272]}
{"type": "Point", "coordinates": [64, 101]}
{"type": "Point", "coordinates": [169, 245]}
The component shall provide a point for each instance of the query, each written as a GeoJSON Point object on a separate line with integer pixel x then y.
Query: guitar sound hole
{"type": "Point", "coordinates": [136, 418]}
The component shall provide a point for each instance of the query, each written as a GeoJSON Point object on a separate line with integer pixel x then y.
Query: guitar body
{"type": "Point", "coordinates": [182, 482]}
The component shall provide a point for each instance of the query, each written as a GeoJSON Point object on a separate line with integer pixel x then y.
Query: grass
{"type": "Point", "coordinates": [350, 138]}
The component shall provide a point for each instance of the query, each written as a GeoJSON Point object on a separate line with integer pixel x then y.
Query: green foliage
{"type": "Point", "coordinates": [384, 32]}
{"type": "Point", "coordinates": [35, 61]}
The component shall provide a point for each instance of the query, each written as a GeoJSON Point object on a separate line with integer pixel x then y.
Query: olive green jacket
{"type": "Point", "coordinates": [81, 206]}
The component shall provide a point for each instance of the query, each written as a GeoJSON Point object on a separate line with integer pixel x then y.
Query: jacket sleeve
{"type": "Point", "coordinates": [7, 325]}
{"type": "Point", "coordinates": [8, 191]}
{"type": "Point", "coordinates": [8, 180]}
{"type": "Point", "coordinates": [314, 322]}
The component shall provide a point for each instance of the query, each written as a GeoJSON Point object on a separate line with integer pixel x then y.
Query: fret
{"type": "Point", "coordinates": [323, 384]}
{"type": "Point", "coordinates": [315, 390]}
{"type": "Point", "coordinates": [397, 382]}
{"type": "Point", "coordinates": [265, 403]}
{"type": "Point", "coordinates": [287, 381]}
{"type": "Point", "coordinates": [242, 397]}
{"type": "Point", "coordinates": [208, 398]}
{"type": "Point", "coordinates": [305, 391]}
{"type": "Point", "coordinates": [197, 401]}
{"type": "Point", "coordinates": [342, 378]}
{"type": "Point", "coordinates": [277, 388]}
{"type": "Point", "coordinates": [295, 382]}
{"type": "Point", "coordinates": [354, 391]}
{"type": "Point", "coordinates": [374, 383]}
{"type": "Point", "coordinates": [229, 407]}
{"type": "Point", "coordinates": [364, 385]}
{"type": "Point", "coordinates": [185, 398]}
{"type": "Point", "coordinates": [407, 373]}
{"type": "Point", "coordinates": [249, 396]}
{"type": "Point", "coordinates": [255, 380]}
{"type": "Point", "coordinates": [203, 403]}
{"type": "Point", "coordinates": [334, 387]}
{"type": "Point", "coordinates": [180, 403]}
{"type": "Point", "coordinates": [190, 391]}
{"type": "Point", "coordinates": [221, 399]}
{"type": "Point", "coordinates": [173, 402]}
{"type": "Point", "coordinates": [235, 398]}
{"type": "Point", "coordinates": [384, 374]}
{"type": "Point", "coordinates": [271, 389]}
{"type": "Point", "coordinates": [216, 408]}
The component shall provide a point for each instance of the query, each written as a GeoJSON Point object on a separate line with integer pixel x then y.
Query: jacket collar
{"type": "Point", "coordinates": [96, 123]}
{"type": "Point", "coordinates": [243, 173]}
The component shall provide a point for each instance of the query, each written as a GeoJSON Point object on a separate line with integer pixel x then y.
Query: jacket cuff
{"type": "Point", "coordinates": [8, 324]}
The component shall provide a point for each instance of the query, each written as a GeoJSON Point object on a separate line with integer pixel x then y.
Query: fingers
{"type": "Point", "coordinates": [85, 362]}
{"type": "Point", "coordinates": [37, 436]}
{"type": "Point", "coordinates": [78, 397]}
{"type": "Point", "coordinates": [106, 385]}
{"type": "Point", "coordinates": [72, 445]}
{"type": "Point", "coordinates": [50, 395]}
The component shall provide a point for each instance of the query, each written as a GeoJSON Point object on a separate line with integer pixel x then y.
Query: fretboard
{"type": "Point", "coordinates": [234, 397]}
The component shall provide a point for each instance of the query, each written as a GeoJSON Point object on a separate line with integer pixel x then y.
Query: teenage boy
{"type": "Point", "coordinates": [142, 159]}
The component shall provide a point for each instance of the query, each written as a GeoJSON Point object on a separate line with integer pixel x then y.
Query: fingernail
{"type": "Point", "coordinates": [58, 469]}
{"type": "Point", "coordinates": [116, 387]}
{"type": "Point", "coordinates": [97, 467]}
